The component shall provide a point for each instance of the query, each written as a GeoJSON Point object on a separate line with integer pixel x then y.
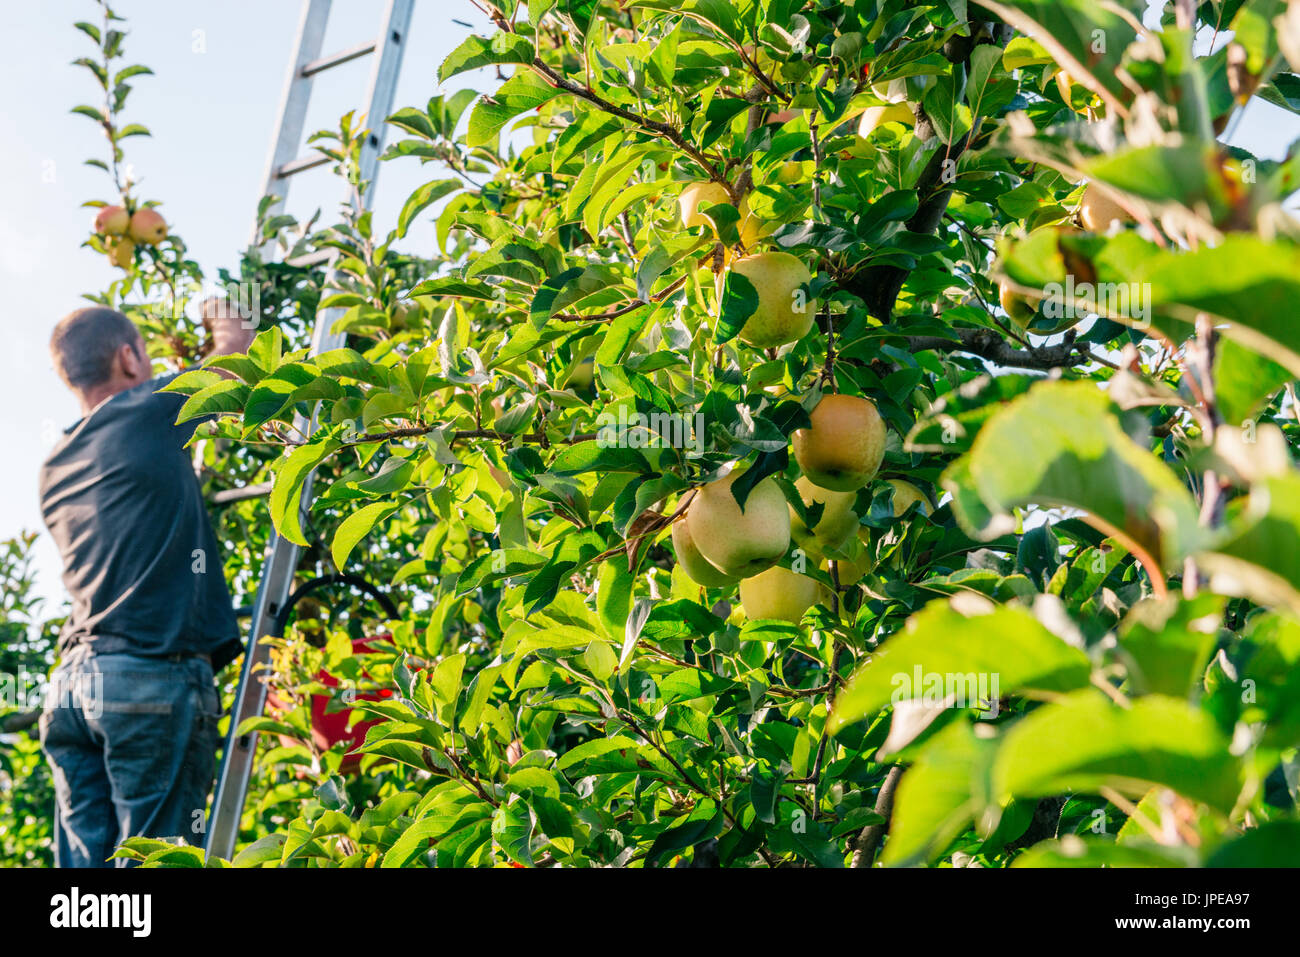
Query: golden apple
{"type": "Point", "coordinates": [850, 571]}
{"type": "Point", "coordinates": [148, 227]}
{"type": "Point", "coordinates": [740, 543]}
{"type": "Point", "coordinates": [873, 117]}
{"type": "Point", "coordinates": [112, 221]}
{"type": "Point", "coordinates": [837, 523]}
{"type": "Point", "coordinates": [1097, 211]}
{"type": "Point", "coordinates": [752, 229]}
{"type": "Point", "coordinates": [843, 447]}
{"type": "Point", "coordinates": [782, 315]}
{"type": "Point", "coordinates": [697, 195]}
{"type": "Point", "coordinates": [121, 252]}
{"type": "Point", "coordinates": [583, 374]}
{"type": "Point", "coordinates": [907, 494]}
{"type": "Point", "coordinates": [1017, 306]}
{"type": "Point", "coordinates": [779, 593]}
{"type": "Point", "coordinates": [693, 563]}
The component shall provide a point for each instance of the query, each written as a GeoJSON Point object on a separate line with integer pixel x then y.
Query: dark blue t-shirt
{"type": "Point", "coordinates": [141, 562]}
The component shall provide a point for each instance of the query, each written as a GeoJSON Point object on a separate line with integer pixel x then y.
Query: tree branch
{"type": "Point", "coordinates": [864, 847]}
{"type": "Point", "coordinates": [658, 128]}
{"type": "Point", "coordinates": [988, 344]}
{"type": "Point", "coordinates": [879, 286]}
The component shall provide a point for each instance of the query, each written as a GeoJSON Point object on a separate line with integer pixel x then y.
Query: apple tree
{"type": "Point", "coordinates": [826, 434]}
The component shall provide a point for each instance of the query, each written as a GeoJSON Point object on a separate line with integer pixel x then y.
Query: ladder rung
{"type": "Point", "coordinates": [300, 165]}
{"type": "Point", "coordinates": [228, 495]}
{"type": "Point", "coordinates": [311, 259]}
{"type": "Point", "coordinates": [335, 59]}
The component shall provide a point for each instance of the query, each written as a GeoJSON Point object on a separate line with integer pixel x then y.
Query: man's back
{"type": "Point", "coordinates": [131, 718]}
{"type": "Point", "coordinates": [142, 567]}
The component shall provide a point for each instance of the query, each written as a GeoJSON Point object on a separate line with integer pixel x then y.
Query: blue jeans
{"type": "Point", "coordinates": [132, 742]}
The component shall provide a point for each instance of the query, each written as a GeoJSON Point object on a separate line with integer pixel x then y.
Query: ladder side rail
{"type": "Point", "coordinates": [391, 45]}
{"type": "Point", "coordinates": [293, 103]}
{"type": "Point", "coordinates": [283, 555]}
{"type": "Point", "coordinates": [250, 699]}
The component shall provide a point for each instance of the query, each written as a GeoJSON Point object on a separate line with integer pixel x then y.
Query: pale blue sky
{"type": "Point", "coordinates": [211, 114]}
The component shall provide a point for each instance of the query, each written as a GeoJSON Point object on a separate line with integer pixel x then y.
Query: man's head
{"type": "Point", "coordinates": [98, 353]}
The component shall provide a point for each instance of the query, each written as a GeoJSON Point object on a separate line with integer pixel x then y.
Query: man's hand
{"type": "Point", "coordinates": [228, 330]}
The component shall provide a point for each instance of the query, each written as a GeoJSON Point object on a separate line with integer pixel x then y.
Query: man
{"type": "Point", "coordinates": [130, 725]}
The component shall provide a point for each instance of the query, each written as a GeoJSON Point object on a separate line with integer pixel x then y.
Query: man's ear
{"type": "Point", "coordinates": [134, 367]}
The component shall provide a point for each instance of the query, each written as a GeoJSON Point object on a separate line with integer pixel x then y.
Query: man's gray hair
{"type": "Point", "coordinates": [84, 342]}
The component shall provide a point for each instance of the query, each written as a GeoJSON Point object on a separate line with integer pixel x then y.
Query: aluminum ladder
{"type": "Point", "coordinates": [284, 162]}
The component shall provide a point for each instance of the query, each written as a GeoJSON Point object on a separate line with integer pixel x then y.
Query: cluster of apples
{"type": "Point", "coordinates": [122, 231]}
{"type": "Point", "coordinates": [719, 544]}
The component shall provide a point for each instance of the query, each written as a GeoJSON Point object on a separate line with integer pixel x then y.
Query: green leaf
{"type": "Point", "coordinates": [1258, 552]}
{"type": "Point", "coordinates": [1067, 28]}
{"type": "Point", "coordinates": [1273, 844]}
{"type": "Point", "coordinates": [1170, 642]}
{"type": "Point", "coordinates": [476, 52]}
{"type": "Point", "coordinates": [423, 197]}
{"type": "Point", "coordinates": [1075, 851]}
{"type": "Point", "coordinates": [523, 91]}
{"type": "Point", "coordinates": [795, 834]}
{"type": "Point", "coordinates": [265, 850]}
{"type": "Point", "coordinates": [286, 493]}
{"type": "Point", "coordinates": [938, 795]}
{"type": "Point", "coordinates": [1061, 445]}
{"type": "Point", "coordinates": [356, 527]}
{"type": "Point", "coordinates": [1246, 283]}
{"type": "Point", "coordinates": [224, 396]}
{"type": "Point", "coordinates": [279, 390]}
{"type": "Point", "coordinates": [1244, 381]}
{"type": "Point", "coordinates": [512, 829]}
{"type": "Point", "coordinates": [446, 684]}
{"type": "Point", "coordinates": [614, 596]}
{"type": "Point", "coordinates": [1084, 741]}
{"type": "Point", "coordinates": [1002, 651]}
{"type": "Point", "coordinates": [739, 302]}
{"type": "Point", "coordinates": [705, 821]}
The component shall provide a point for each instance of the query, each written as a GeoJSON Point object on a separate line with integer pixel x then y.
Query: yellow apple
{"type": "Point", "coordinates": [782, 315]}
{"type": "Point", "coordinates": [583, 374]}
{"type": "Point", "coordinates": [1017, 306]}
{"type": "Point", "coordinates": [112, 221]}
{"type": "Point", "coordinates": [697, 195]}
{"type": "Point", "coordinates": [873, 117]}
{"type": "Point", "coordinates": [148, 227]}
{"type": "Point", "coordinates": [779, 593]}
{"type": "Point", "coordinates": [843, 447]}
{"type": "Point", "coordinates": [850, 571]}
{"type": "Point", "coordinates": [837, 523]}
{"type": "Point", "coordinates": [752, 229]}
{"type": "Point", "coordinates": [1097, 211]}
{"type": "Point", "coordinates": [907, 494]}
{"type": "Point", "coordinates": [121, 251]}
{"type": "Point", "coordinates": [740, 543]}
{"type": "Point", "coordinates": [693, 563]}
